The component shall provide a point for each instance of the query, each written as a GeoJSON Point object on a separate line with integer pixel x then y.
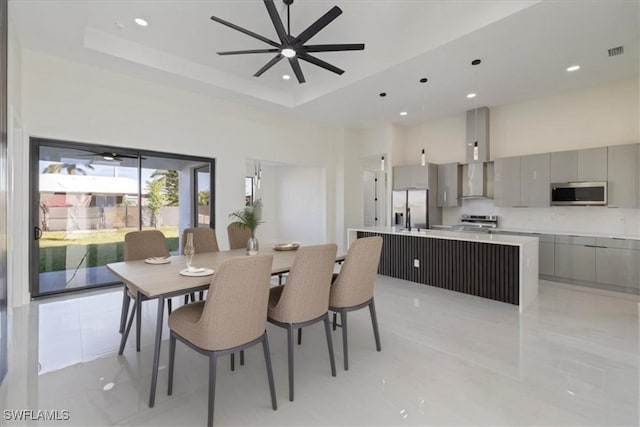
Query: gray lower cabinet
{"type": "Point", "coordinates": [448, 185]}
{"type": "Point", "coordinates": [575, 258]}
{"type": "Point", "coordinates": [622, 186]}
{"type": "Point", "coordinates": [618, 262]}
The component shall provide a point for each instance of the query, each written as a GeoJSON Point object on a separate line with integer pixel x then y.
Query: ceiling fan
{"type": "Point", "coordinates": [290, 47]}
{"type": "Point", "coordinates": [108, 155]}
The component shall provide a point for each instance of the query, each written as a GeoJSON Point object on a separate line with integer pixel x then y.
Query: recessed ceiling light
{"type": "Point", "coordinates": [471, 95]}
{"type": "Point", "coordinates": [141, 22]}
{"type": "Point", "coordinates": [424, 80]}
{"type": "Point", "coordinates": [288, 53]}
{"type": "Point", "coordinates": [403, 113]}
{"type": "Point", "coordinates": [573, 68]}
{"type": "Point", "coordinates": [286, 77]}
{"type": "Point", "coordinates": [383, 94]}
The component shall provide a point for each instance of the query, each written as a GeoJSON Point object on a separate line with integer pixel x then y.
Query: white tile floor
{"type": "Point", "coordinates": [447, 359]}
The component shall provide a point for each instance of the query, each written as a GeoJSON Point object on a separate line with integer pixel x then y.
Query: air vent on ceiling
{"type": "Point", "coordinates": [616, 51]}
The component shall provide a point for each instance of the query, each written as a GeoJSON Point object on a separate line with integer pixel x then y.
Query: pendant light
{"type": "Point", "coordinates": [382, 163]}
{"type": "Point", "coordinates": [476, 150]}
{"type": "Point", "coordinates": [423, 158]}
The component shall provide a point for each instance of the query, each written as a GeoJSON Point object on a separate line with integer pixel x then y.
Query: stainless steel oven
{"type": "Point", "coordinates": [579, 194]}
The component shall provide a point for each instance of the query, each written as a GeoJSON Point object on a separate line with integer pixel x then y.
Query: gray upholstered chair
{"type": "Point", "coordinates": [304, 299]}
{"type": "Point", "coordinates": [231, 319]}
{"type": "Point", "coordinates": [138, 245]}
{"type": "Point", "coordinates": [238, 236]}
{"type": "Point", "coordinates": [352, 289]}
{"type": "Point", "coordinates": [204, 240]}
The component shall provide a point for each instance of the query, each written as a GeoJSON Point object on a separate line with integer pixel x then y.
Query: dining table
{"type": "Point", "coordinates": [162, 281]}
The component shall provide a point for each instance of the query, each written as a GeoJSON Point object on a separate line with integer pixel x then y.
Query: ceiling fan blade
{"type": "Point", "coordinates": [268, 65]}
{"type": "Point", "coordinates": [245, 31]}
{"type": "Point", "coordinates": [332, 47]}
{"type": "Point", "coordinates": [320, 63]}
{"type": "Point", "coordinates": [277, 21]}
{"type": "Point", "coordinates": [314, 28]}
{"type": "Point", "coordinates": [295, 65]}
{"type": "Point", "coordinates": [241, 52]}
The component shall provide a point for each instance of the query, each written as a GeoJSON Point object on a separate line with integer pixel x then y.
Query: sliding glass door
{"type": "Point", "coordinates": [88, 197]}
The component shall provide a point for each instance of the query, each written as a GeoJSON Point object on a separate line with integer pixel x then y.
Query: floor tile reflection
{"type": "Point", "coordinates": [447, 359]}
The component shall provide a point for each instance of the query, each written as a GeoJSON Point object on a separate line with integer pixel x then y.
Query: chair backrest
{"type": "Point", "coordinates": [144, 244]}
{"type": "Point", "coordinates": [306, 293]}
{"type": "Point", "coordinates": [354, 284]}
{"type": "Point", "coordinates": [235, 311]}
{"type": "Point", "coordinates": [238, 236]}
{"type": "Point", "coordinates": [204, 239]}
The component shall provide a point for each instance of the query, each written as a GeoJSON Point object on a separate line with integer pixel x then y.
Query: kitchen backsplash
{"type": "Point", "coordinates": [574, 219]}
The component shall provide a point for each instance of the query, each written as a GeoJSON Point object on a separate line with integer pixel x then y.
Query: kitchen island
{"type": "Point", "coordinates": [499, 267]}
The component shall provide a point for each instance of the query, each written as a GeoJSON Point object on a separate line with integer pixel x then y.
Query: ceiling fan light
{"type": "Point", "coordinates": [288, 52]}
{"type": "Point", "coordinates": [108, 157]}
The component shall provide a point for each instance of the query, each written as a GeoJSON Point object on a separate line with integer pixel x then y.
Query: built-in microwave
{"type": "Point", "coordinates": [579, 194]}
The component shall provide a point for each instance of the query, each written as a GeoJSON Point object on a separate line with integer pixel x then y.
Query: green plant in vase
{"type": "Point", "coordinates": [249, 218]}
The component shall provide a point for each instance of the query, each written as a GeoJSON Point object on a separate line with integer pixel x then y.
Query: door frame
{"type": "Point", "coordinates": [34, 196]}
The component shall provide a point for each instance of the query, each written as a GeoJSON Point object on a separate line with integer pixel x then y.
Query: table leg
{"type": "Point", "coordinates": [138, 320]}
{"type": "Point", "coordinates": [156, 352]}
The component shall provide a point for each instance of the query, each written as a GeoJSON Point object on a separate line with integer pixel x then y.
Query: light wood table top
{"type": "Point", "coordinates": [153, 280]}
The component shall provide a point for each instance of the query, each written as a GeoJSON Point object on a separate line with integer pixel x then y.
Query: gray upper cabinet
{"type": "Point", "coordinates": [579, 165]}
{"type": "Point", "coordinates": [534, 180]}
{"type": "Point", "coordinates": [592, 164]}
{"type": "Point", "coordinates": [506, 175]}
{"type": "Point", "coordinates": [414, 176]}
{"type": "Point", "coordinates": [564, 166]}
{"type": "Point", "coordinates": [623, 164]}
{"type": "Point", "coordinates": [448, 185]}
{"type": "Point", "coordinates": [401, 177]}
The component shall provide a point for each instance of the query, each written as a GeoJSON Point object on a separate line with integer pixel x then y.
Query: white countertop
{"type": "Point", "coordinates": [570, 233]}
{"type": "Point", "coordinates": [499, 239]}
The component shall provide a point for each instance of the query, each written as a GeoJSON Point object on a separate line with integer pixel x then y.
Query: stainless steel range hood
{"type": "Point", "coordinates": [477, 174]}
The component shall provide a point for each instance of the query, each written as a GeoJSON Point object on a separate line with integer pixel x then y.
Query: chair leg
{"type": "Point", "coordinates": [233, 361]}
{"type": "Point", "coordinates": [138, 320]}
{"type": "Point", "coordinates": [172, 357]}
{"type": "Point", "coordinates": [186, 299]}
{"type": "Point", "coordinates": [267, 361]}
{"type": "Point", "coordinates": [212, 387]}
{"type": "Point", "coordinates": [299, 336]}
{"type": "Point", "coordinates": [169, 308]}
{"type": "Point", "coordinates": [374, 322]}
{"type": "Point", "coordinates": [335, 320]}
{"type": "Point", "coordinates": [345, 348]}
{"type": "Point", "coordinates": [126, 299]}
{"type": "Point", "coordinates": [290, 359]}
{"type": "Point", "coordinates": [327, 330]}
{"type": "Point", "coordinates": [125, 335]}
{"type": "Point", "coordinates": [241, 357]}
{"type": "Point", "coordinates": [201, 296]}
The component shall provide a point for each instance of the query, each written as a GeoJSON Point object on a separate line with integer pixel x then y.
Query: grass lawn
{"type": "Point", "coordinates": [61, 250]}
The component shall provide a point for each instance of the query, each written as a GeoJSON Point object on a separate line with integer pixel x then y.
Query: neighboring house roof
{"type": "Point", "coordinates": [86, 184]}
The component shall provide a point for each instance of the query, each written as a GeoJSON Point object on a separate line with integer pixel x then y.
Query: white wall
{"type": "Point", "coordinates": [301, 195]}
{"type": "Point", "coordinates": [70, 101]}
{"type": "Point", "coordinates": [595, 117]}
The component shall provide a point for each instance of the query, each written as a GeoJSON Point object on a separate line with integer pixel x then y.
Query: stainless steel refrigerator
{"type": "Point", "coordinates": [410, 209]}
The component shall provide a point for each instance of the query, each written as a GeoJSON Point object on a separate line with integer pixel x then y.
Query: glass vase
{"type": "Point", "coordinates": [189, 250]}
{"type": "Point", "coordinates": [252, 245]}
